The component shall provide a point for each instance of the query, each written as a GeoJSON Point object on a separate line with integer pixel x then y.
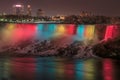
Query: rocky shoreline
{"type": "Point", "coordinates": [77, 49]}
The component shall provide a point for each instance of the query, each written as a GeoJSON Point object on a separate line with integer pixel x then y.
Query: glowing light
{"type": "Point", "coordinates": [7, 32]}
{"type": "Point", "coordinates": [39, 31]}
{"type": "Point", "coordinates": [108, 70]}
{"type": "Point", "coordinates": [60, 30]}
{"type": "Point", "coordinates": [79, 67]}
{"type": "Point", "coordinates": [89, 67]}
{"type": "Point", "coordinates": [40, 27]}
{"type": "Point", "coordinates": [80, 32]}
{"type": "Point", "coordinates": [69, 71]}
{"type": "Point", "coordinates": [18, 5]}
{"type": "Point", "coordinates": [7, 69]}
{"type": "Point", "coordinates": [30, 31]}
{"type": "Point", "coordinates": [70, 29]}
{"type": "Point", "coordinates": [10, 26]}
{"type": "Point", "coordinates": [109, 32]}
{"type": "Point", "coordinates": [89, 32]}
{"type": "Point", "coordinates": [60, 70]}
{"type": "Point", "coordinates": [23, 32]}
{"type": "Point", "coordinates": [51, 29]}
{"type": "Point", "coordinates": [46, 32]}
{"type": "Point", "coordinates": [18, 32]}
{"type": "Point", "coordinates": [68, 32]}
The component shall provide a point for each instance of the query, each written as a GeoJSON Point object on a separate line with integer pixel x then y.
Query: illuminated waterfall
{"type": "Point", "coordinates": [109, 32]}
{"type": "Point", "coordinates": [60, 30]}
{"type": "Point", "coordinates": [20, 32]}
{"type": "Point", "coordinates": [80, 32]}
{"type": "Point", "coordinates": [70, 28]}
{"type": "Point", "coordinates": [12, 33]}
{"type": "Point", "coordinates": [89, 32]}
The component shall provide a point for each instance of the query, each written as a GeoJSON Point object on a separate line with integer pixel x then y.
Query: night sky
{"type": "Point", "coordinates": [54, 7]}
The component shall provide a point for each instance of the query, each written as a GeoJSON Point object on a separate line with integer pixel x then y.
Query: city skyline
{"type": "Point", "coordinates": [62, 7]}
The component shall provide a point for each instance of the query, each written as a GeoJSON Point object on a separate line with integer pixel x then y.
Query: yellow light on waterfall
{"type": "Point", "coordinates": [89, 32]}
{"type": "Point", "coordinates": [10, 26]}
{"type": "Point", "coordinates": [8, 31]}
{"type": "Point", "coordinates": [60, 30]}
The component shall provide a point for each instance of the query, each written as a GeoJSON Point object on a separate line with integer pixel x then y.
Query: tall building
{"type": "Point", "coordinates": [29, 10]}
{"type": "Point", "coordinates": [40, 13]}
{"type": "Point", "coordinates": [18, 9]}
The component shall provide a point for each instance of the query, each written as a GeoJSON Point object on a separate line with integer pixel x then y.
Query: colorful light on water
{"type": "Point", "coordinates": [89, 67]}
{"type": "Point", "coordinates": [69, 71]}
{"type": "Point", "coordinates": [79, 67]}
{"type": "Point", "coordinates": [108, 70]}
{"type": "Point", "coordinates": [60, 70]}
{"type": "Point", "coordinates": [7, 71]}
{"type": "Point", "coordinates": [22, 66]}
{"type": "Point", "coordinates": [49, 68]}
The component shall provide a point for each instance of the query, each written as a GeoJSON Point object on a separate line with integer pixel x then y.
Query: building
{"type": "Point", "coordinates": [40, 13]}
{"type": "Point", "coordinates": [84, 14]}
{"type": "Point", "coordinates": [18, 9]}
{"type": "Point", "coordinates": [29, 10]}
{"type": "Point", "coordinates": [58, 17]}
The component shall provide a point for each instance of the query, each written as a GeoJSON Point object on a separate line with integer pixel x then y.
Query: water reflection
{"type": "Point", "coordinates": [90, 70]}
{"type": "Point", "coordinates": [23, 68]}
{"type": "Point", "coordinates": [69, 70]}
{"type": "Point", "coordinates": [79, 70]}
{"type": "Point", "coordinates": [108, 70]}
{"type": "Point", "coordinates": [4, 69]}
{"type": "Point", "coordinates": [45, 69]}
{"type": "Point", "coordinates": [58, 69]}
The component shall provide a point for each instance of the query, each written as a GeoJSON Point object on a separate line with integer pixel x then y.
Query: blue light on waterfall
{"type": "Point", "coordinates": [46, 33]}
{"type": "Point", "coordinates": [40, 27]}
{"type": "Point", "coordinates": [39, 31]}
{"type": "Point", "coordinates": [80, 32]}
{"type": "Point", "coordinates": [51, 29]}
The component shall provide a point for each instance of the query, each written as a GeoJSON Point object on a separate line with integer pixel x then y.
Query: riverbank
{"type": "Point", "coordinates": [108, 49]}
{"type": "Point", "coordinates": [104, 49]}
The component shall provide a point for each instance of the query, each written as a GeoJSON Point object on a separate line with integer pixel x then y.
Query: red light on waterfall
{"type": "Point", "coordinates": [30, 30]}
{"type": "Point", "coordinates": [71, 29]}
{"type": "Point", "coordinates": [31, 27]}
{"type": "Point", "coordinates": [18, 33]}
{"type": "Point", "coordinates": [23, 32]}
{"type": "Point", "coordinates": [109, 32]}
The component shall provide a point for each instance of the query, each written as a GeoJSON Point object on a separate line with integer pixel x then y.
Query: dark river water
{"type": "Point", "coordinates": [49, 68]}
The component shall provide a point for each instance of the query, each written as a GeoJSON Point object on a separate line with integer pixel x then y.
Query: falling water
{"type": "Point", "coordinates": [59, 35]}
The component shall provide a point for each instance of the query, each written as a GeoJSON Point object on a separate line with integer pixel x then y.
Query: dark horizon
{"type": "Point", "coordinates": [62, 7]}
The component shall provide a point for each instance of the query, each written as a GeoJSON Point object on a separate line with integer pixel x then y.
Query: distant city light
{"type": "Point", "coordinates": [28, 6]}
{"type": "Point", "coordinates": [18, 5]}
